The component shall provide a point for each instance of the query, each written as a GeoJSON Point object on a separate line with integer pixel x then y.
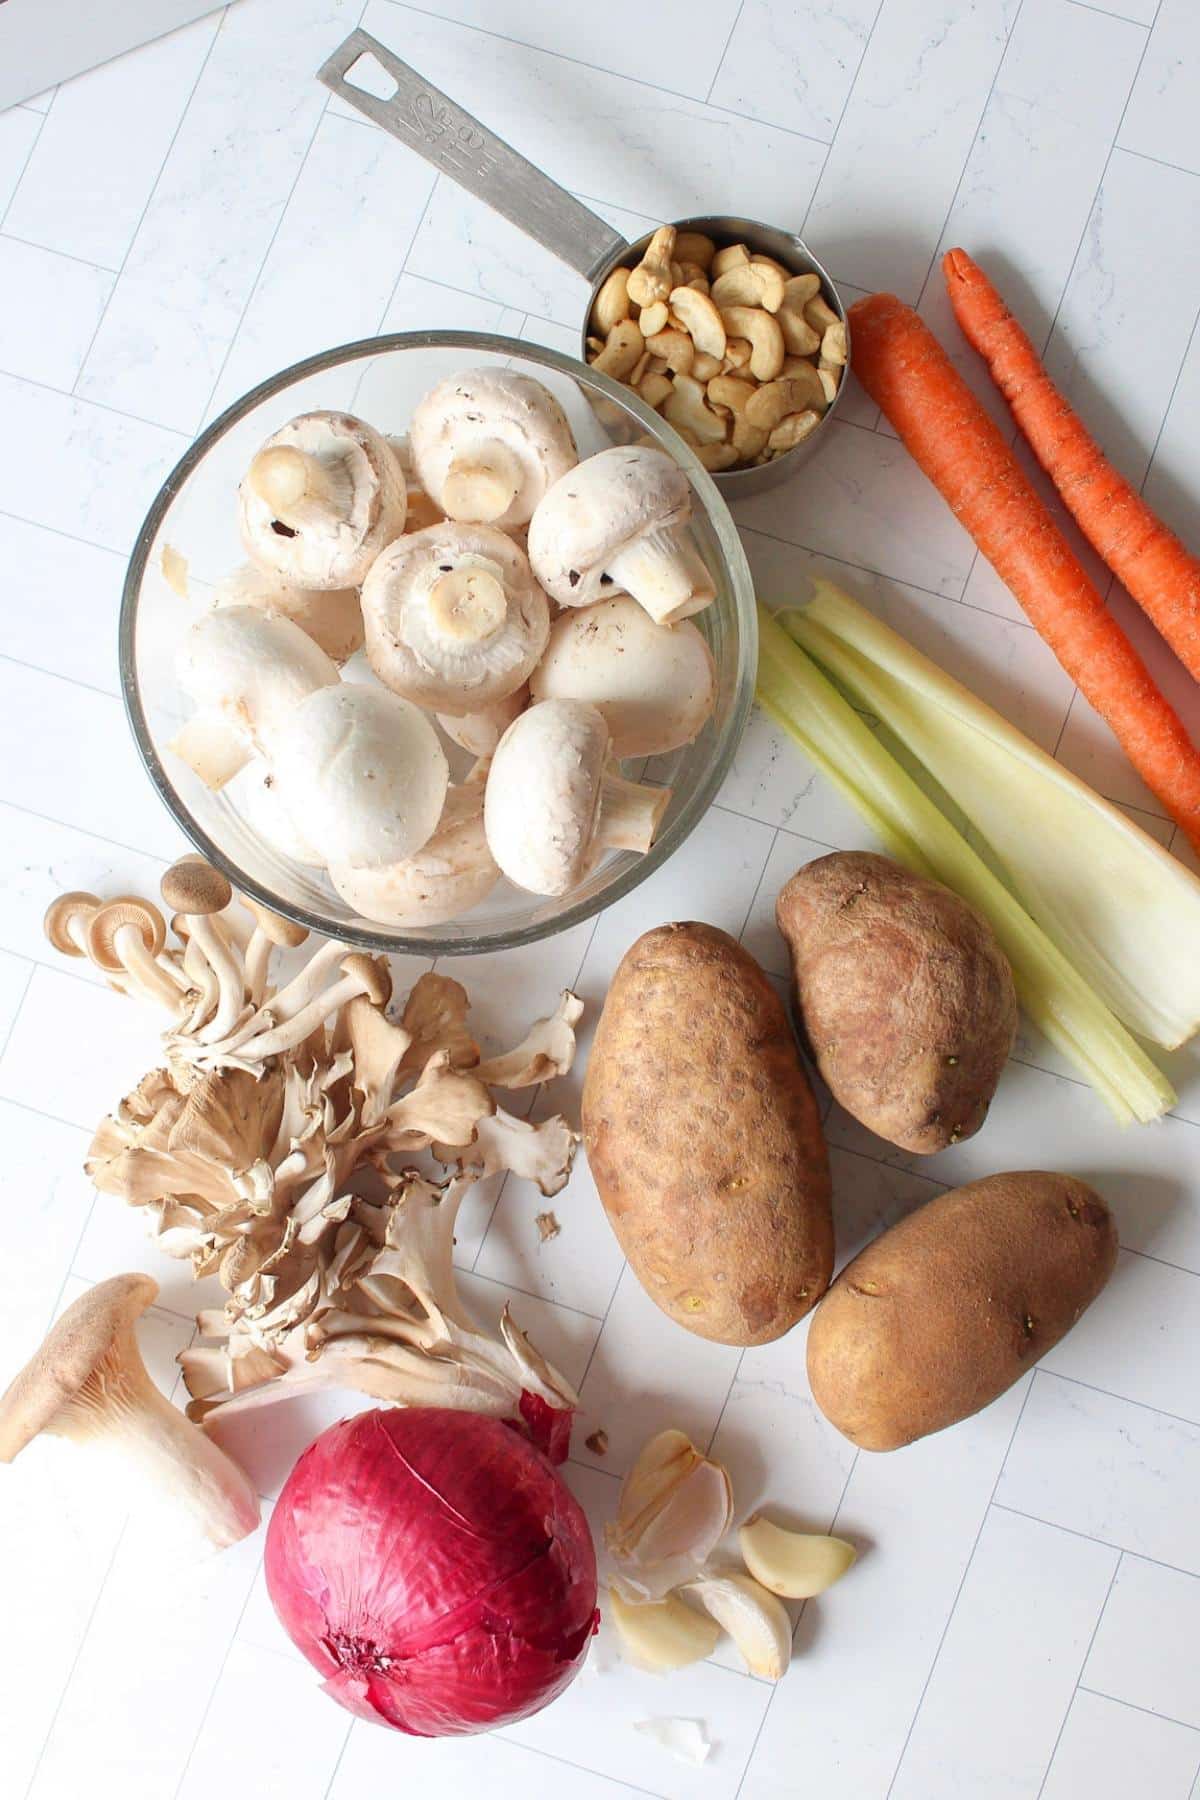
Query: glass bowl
{"type": "Point", "coordinates": [195, 516]}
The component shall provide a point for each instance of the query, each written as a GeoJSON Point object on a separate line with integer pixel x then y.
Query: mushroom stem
{"type": "Point", "coordinates": [298, 486]}
{"type": "Point", "coordinates": [144, 969]}
{"type": "Point", "coordinates": [227, 969]}
{"type": "Point", "coordinates": [629, 814]}
{"type": "Point", "coordinates": [290, 999]}
{"type": "Point", "coordinates": [468, 604]}
{"type": "Point", "coordinates": [665, 573]}
{"type": "Point", "coordinates": [294, 1030]}
{"type": "Point", "coordinates": [189, 1469]}
{"type": "Point", "coordinates": [258, 957]}
{"type": "Point", "coordinates": [481, 486]}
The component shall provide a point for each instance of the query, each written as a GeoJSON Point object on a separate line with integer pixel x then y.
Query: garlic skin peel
{"type": "Point", "coordinates": [794, 1564]}
{"type": "Point", "coordinates": [675, 1507]}
{"type": "Point", "coordinates": [661, 1635]}
{"type": "Point", "coordinates": [756, 1621]}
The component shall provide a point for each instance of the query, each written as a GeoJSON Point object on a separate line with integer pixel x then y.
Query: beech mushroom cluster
{"type": "Point", "coordinates": [442, 555]}
{"type": "Point", "coordinates": [741, 355]}
{"type": "Point", "coordinates": [246, 1153]}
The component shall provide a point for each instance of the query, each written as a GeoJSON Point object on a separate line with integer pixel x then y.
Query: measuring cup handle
{"type": "Point", "coordinates": [440, 131]}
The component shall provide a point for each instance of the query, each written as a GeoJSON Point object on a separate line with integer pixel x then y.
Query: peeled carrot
{"type": "Point", "coordinates": [959, 446]}
{"type": "Point", "coordinates": [1159, 572]}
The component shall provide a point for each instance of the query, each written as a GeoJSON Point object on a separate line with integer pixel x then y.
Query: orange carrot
{"type": "Point", "coordinates": [959, 446]}
{"type": "Point", "coordinates": [1158, 571]}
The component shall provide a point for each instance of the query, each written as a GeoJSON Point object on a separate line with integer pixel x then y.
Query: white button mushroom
{"type": "Point", "coordinates": [362, 774]}
{"type": "Point", "coordinates": [551, 802]}
{"type": "Point", "coordinates": [618, 521]}
{"type": "Point", "coordinates": [454, 619]}
{"type": "Point", "coordinates": [654, 684]}
{"type": "Point", "coordinates": [246, 670]}
{"type": "Point", "coordinates": [321, 499]}
{"type": "Point", "coordinates": [488, 443]}
{"type": "Point", "coordinates": [255, 795]}
{"type": "Point", "coordinates": [480, 732]}
{"type": "Point", "coordinates": [331, 617]}
{"type": "Point", "coordinates": [449, 875]}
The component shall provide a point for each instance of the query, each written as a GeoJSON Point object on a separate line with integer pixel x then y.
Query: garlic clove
{"type": "Point", "coordinates": [660, 1635]}
{"type": "Point", "coordinates": [675, 1507]}
{"type": "Point", "coordinates": [794, 1564]}
{"type": "Point", "coordinates": [756, 1621]}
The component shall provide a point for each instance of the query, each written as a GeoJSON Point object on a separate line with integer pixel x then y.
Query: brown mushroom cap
{"type": "Point", "coordinates": [374, 974]}
{"type": "Point", "coordinates": [193, 886]}
{"type": "Point", "coordinates": [112, 917]}
{"type": "Point", "coordinates": [60, 912]}
{"type": "Point", "coordinates": [56, 1373]}
{"type": "Point", "coordinates": [280, 931]}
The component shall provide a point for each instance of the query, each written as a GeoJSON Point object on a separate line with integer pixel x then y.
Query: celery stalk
{"type": "Point", "coordinates": [1055, 996]}
{"type": "Point", "coordinates": [1118, 905]}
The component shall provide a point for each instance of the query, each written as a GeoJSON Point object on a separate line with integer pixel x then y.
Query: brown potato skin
{"type": "Point", "coordinates": [944, 1311]}
{"type": "Point", "coordinates": [907, 999]}
{"type": "Point", "coordinates": [704, 1138]}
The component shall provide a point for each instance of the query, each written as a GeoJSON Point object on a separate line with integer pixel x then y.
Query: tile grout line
{"type": "Point", "coordinates": [1183, 362]}
{"type": "Point", "coordinates": [1091, 1387]}
{"type": "Point", "coordinates": [85, 262]}
{"type": "Point", "coordinates": [1158, 161]}
{"type": "Point", "coordinates": [961, 1585]}
{"type": "Point", "coordinates": [1091, 1538]}
{"type": "Point", "coordinates": [862, 57]}
{"type": "Point", "coordinates": [338, 1763]}
{"type": "Point", "coordinates": [187, 106]}
{"type": "Point", "coordinates": [1082, 1666]}
{"type": "Point", "coordinates": [1133, 1706]}
{"type": "Point", "coordinates": [221, 1667]}
{"type": "Point", "coordinates": [737, 19]}
{"type": "Point", "coordinates": [1084, 6]}
{"type": "Point", "coordinates": [37, 138]}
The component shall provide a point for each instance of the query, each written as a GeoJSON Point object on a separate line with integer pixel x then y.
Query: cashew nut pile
{"type": "Point", "coordinates": [740, 355]}
{"type": "Point", "coordinates": [505, 597]}
{"type": "Point", "coordinates": [245, 1152]}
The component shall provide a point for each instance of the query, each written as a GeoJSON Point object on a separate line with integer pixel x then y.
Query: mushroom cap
{"type": "Point", "coordinates": [250, 668]}
{"type": "Point", "coordinates": [480, 732]}
{"type": "Point", "coordinates": [449, 875]}
{"type": "Point", "coordinates": [112, 917]}
{"type": "Point", "coordinates": [193, 886]}
{"type": "Point", "coordinates": [331, 552]}
{"type": "Point", "coordinates": [331, 617]}
{"type": "Point", "coordinates": [372, 972]}
{"type": "Point", "coordinates": [74, 905]}
{"type": "Point", "coordinates": [278, 931]}
{"type": "Point", "coordinates": [499, 406]}
{"type": "Point", "coordinates": [361, 773]}
{"type": "Point", "coordinates": [543, 794]}
{"type": "Point", "coordinates": [655, 684]}
{"type": "Point", "coordinates": [598, 508]}
{"type": "Point", "coordinates": [415, 656]}
{"type": "Point", "coordinates": [254, 793]}
{"type": "Point", "coordinates": [68, 1356]}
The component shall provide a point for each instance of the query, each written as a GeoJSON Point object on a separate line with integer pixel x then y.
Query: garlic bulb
{"type": "Point", "coordinates": [675, 1507]}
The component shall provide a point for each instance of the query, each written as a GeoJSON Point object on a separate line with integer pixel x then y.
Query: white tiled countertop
{"type": "Point", "coordinates": [1024, 1617]}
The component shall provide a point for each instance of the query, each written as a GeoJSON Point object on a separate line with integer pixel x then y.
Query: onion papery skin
{"type": "Point", "coordinates": [434, 1568]}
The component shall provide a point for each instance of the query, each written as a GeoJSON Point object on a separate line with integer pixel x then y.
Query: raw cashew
{"type": "Point", "coordinates": [701, 320]}
{"type": "Point", "coordinates": [828, 379]}
{"type": "Point", "coordinates": [798, 290]}
{"type": "Point", "coordinates": [833, 344]}
{"type": "Point", "coordinates": [675, 348]}
{"type": "Point", "coordinates": [654, 389]}
{"type": "Point", "coordinates": [704, 367]}
{"type": "Point", "coordinates": [793, 430]}
{"type": "Point", "coordinates": [651, 280]}
{"type": "Point", "coordinates": [686, 408]}
{"type": "Point", "coordinates": [789, 394]}
{"type": "Point", "coordinates": [737, 354]}
{"type": "Point", "coordinates": [639, 368]}
{"type": "Point", "coordinates": [819, 313]}
{"type": "Point", "coordinates": [760, 256]}
{"type": "Point", "coordinates": [748, 440]}
{"type": "Point", "coordinates": [750, 284]}
{"type": "Point", "coordinates": [595, 345]}
{"type": "Point", "coordinates": [764, 335]}
{"type": "Point", "coordinates": [730, 391]}
{"type": "Point", "coordinates": [694, 247]}
{"type": "Point", "coordinates": [799, 338]}
{"type": "Point", "coordinates": [612, 302]}
{"type": "Point", "coordinates": [728, 259]}
{"type": "Point", "coordinates": [717, 456]}
{"type": "Point", "coordinates": [621, 352]}
{"type": "Point", "coordinates": [653, 319]}
{"type": "Point", "coordinates": [691, 274]}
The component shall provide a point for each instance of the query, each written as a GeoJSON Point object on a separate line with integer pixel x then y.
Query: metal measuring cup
{"type": "Point", "coordinates": [435, 126]}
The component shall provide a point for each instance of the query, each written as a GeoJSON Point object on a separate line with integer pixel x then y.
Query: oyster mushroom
{"type": "Point", "coordinates": [452, 872]}
{"type": "Point", "coordinates": [488, 443]}
{"type": "Point", "coordinates": [654, 684]}
{"type": "Point", "coordinates": [88, 1382]}
{"type": "Point", "coordinates": [331, 617]}
{"type": "Point", "coordinates": [454, 619]}
{"type": "Point", "coordinates": [245, 670]}
{"type": "Point", "coordinates": [480, 732]}
{"type": "Point", "coordinates": [551, 801]}
{"type": "Point", "coordinates": [361, 774]}
{"type": "Point", "coordinates": [359, 975]}
{"type": "Point", "coordinates": [321, 499]}
{"type": "Point", "coordinates": [619, 521]}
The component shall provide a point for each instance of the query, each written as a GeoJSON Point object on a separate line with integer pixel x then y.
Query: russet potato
{"type": "Point", "coordinates": [704, 1139]}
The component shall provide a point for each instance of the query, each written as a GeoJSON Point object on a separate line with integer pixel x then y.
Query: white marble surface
{"type": "Point", "coordinates": [1023, 1619]}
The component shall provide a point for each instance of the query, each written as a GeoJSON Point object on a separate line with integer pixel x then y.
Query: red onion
{"type": "Point", "coordinates": [434, 1568]}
